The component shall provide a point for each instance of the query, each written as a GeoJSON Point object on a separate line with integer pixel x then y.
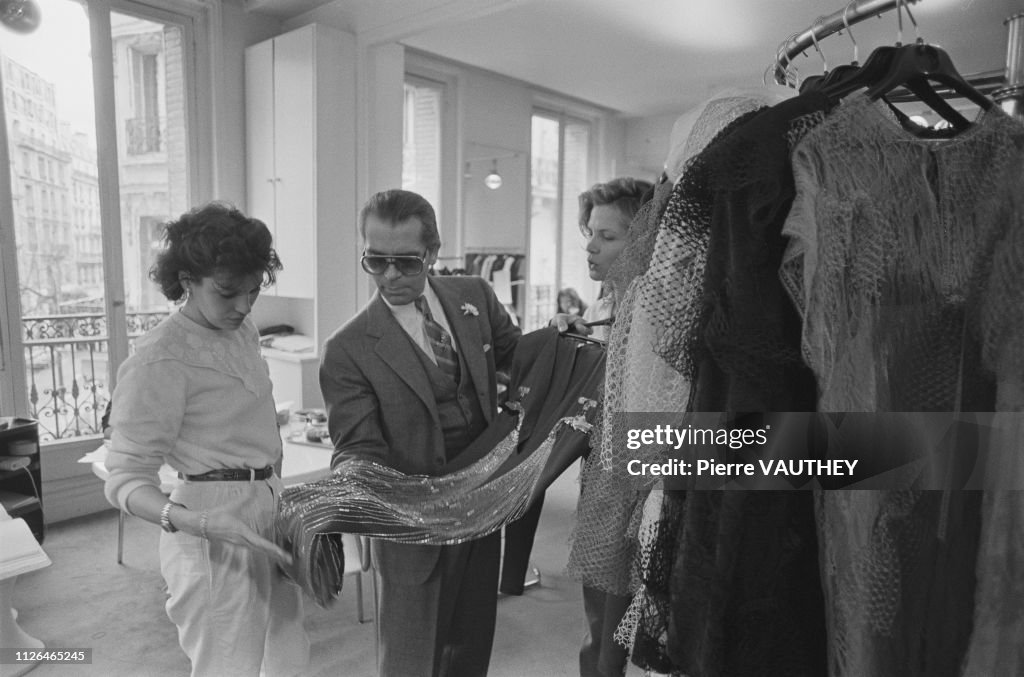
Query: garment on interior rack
{"type": "Point", "coordinates": [648, 279]}
{"type": "Point", "coordinates": [742, 576]}
{"type": "Point", "coordinates": [601, 550]}
{"type": "Point", "coordinates": [541, 431]}
{"type": "Point", "coordinates": [905, 261]}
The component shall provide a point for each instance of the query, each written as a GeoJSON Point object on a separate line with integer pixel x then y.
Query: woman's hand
{"type": "Point", "coordinates": [222, 523]}
{"type": "Point", "coordinates": [565, 322]}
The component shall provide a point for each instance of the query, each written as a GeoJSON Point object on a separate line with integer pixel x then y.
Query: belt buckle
{"type": "Point", "coordinates": [252, 474]}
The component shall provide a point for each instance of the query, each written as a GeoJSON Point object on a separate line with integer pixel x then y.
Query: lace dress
{"type": "Point", "coordinates": [905, 261]}
{"type": "Point", "coordinates": [731, 576]}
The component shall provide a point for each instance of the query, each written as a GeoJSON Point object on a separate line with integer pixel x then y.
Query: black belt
{"type": "Point", "coordinates": [231, 475]}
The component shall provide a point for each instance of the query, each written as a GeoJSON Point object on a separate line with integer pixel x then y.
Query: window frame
{"type": "Point", "coordinates": [426, 70]}
{"type": "Point", "coordinates": [563, 112]}
{"type": "Point", "coordinates": [198, 20]}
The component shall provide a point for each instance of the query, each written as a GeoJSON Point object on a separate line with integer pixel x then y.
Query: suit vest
{"type": "Point", "coordinates": [458, 408]}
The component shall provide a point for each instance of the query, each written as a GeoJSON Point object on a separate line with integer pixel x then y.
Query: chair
{"type": "Point", "coordinates": [168, 481]}
{"type": "Point", "coordinates": [364, 543]}
{"type": "Point", "coordinates": [356, 550]}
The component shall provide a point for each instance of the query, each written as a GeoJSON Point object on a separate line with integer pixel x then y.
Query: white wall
{"type": "Point", "coordinates": [239, 29]}
{"type": "Point", "coordinates": [646, 145]}
{"type": "Point", "coordinates": [496, 121]}
{"type": "Point", "coordinates": [493, 115]}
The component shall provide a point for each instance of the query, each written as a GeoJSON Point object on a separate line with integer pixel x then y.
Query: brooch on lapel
{"type": "Point", "coordinates": [469, 309]}
{"type": "Point", "coordinates": [579, 421]}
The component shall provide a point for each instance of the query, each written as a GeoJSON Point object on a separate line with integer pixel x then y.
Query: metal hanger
{"type": "Point", "coordinates": [844, 71]}
{"type": "Point", "coordinates": [813, 82]}
{"type": "Point", "coordinates": [590, 339]}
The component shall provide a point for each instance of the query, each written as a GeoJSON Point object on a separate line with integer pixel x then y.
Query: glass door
{"type": "Point", "coordinates": [559, 172]}
{"type": "Point", "coordinates": [99, 153]}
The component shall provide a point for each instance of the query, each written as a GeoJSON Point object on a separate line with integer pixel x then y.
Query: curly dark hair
{"type": "Point", "coordinates": [214, 238]}
{"type": "Point", "coordinates": [625, 193]}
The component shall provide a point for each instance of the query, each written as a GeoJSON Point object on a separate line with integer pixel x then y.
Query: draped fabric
{"type": "Point", "coordinates": [886, 275]}
{"type": "Point", "coordinates": [905, 261]}
{"type": "Point", "coordinates": [602, 545]}
{"type": "Point", "coordinates": [541, 431]}
{"type": "Point", "coordinates": [732, 586]}
{"type": "Point", "coordinates": [655, 278]}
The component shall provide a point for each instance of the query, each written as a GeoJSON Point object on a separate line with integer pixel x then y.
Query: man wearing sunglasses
{"type": "Point", "coordinates": [409, 382]}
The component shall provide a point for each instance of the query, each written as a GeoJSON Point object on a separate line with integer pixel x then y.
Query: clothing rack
{"type": "Point", "coordinates": [485, 261]}
{"type": "Point", "coordinates": [854, 12]}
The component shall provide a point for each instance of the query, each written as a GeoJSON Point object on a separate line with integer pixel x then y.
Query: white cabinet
{"type": "Point", "coordinates": [296, 378]}
{"type": "Point", "coordinates": [300, 96]}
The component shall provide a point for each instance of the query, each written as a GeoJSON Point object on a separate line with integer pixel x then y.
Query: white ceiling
{"type": "Point", "coordinates": [647, 57]}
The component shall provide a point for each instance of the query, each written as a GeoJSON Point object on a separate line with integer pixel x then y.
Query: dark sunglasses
{"type": "Point", "coordinates": [406, 265]}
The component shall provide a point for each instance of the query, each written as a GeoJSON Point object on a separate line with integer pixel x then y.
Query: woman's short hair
{"type": "Point", "coordinates": [625, 194]}
{"type": "Point", "coordinates": [211, 239]}
{"type": "Point", "coordinates": [572, 298]}
{"type": "Point", "coordinates": [396, 205]}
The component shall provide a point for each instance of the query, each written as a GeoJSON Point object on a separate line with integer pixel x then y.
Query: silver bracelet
{"type": "Point", "coordinates": [165, 517]}
{"type": "Point", "coordinates": [204, 517]}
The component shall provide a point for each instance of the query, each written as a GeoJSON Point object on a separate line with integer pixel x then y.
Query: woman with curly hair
{"type": "Point", "coordinates": [196, 394]}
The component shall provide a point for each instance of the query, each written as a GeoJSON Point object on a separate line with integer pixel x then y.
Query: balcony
{"type": "Point", "coordinates": [66, 360]}
{"type": "Point", "coordinates": [143, 135]}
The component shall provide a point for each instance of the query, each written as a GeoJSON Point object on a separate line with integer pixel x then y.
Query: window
{"type": "Point", "coordinates": [143, 127]}
{"type": "Point", "coordinates": [72, 345]}
{"type": "Point", "coordinates": [560, 171]}
{"type": "Point", "coordinates": [421, 139]}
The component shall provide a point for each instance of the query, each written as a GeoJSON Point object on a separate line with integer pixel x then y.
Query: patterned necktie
{"type": "Point", "coordinates": [440, 341]}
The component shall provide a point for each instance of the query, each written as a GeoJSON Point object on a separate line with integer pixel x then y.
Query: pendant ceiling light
{"type": "Point", "coordinates": [493, 180]}
{"type": "Point", "coordinates": [21, 16]}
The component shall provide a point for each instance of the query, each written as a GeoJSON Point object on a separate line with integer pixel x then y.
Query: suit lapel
{"type": "Point", "coordinates": [397, 351]}
{"type": "Point", "coordinates": [466, 329]}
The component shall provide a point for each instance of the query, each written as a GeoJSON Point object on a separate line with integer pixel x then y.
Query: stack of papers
{"type": "Point", "coordinates": [21, 552]}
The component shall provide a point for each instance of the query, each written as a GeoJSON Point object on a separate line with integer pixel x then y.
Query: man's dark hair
{"type": "Point", "coordinates": [396, 205]}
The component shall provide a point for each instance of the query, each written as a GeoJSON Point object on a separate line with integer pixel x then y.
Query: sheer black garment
{"type": "Point", "coordinates": [744, 590]}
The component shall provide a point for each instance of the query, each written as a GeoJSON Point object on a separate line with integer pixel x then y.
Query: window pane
{"type": "Point", "coordinates": [575, 180]}
{"type": "Point", "coordinates": [544, 221]}
{"type": "Point", "coordinates": [48, 95]}
{"type": "Point", "coordinates": [150, 105]}
{"type": "Point", "coordinates": [421, 147]}
{"type": "Point", "coordinates": [49, 100]}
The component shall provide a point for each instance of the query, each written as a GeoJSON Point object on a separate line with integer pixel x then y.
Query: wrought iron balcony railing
{"type": "Point", "coordinates": [66, 357]}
